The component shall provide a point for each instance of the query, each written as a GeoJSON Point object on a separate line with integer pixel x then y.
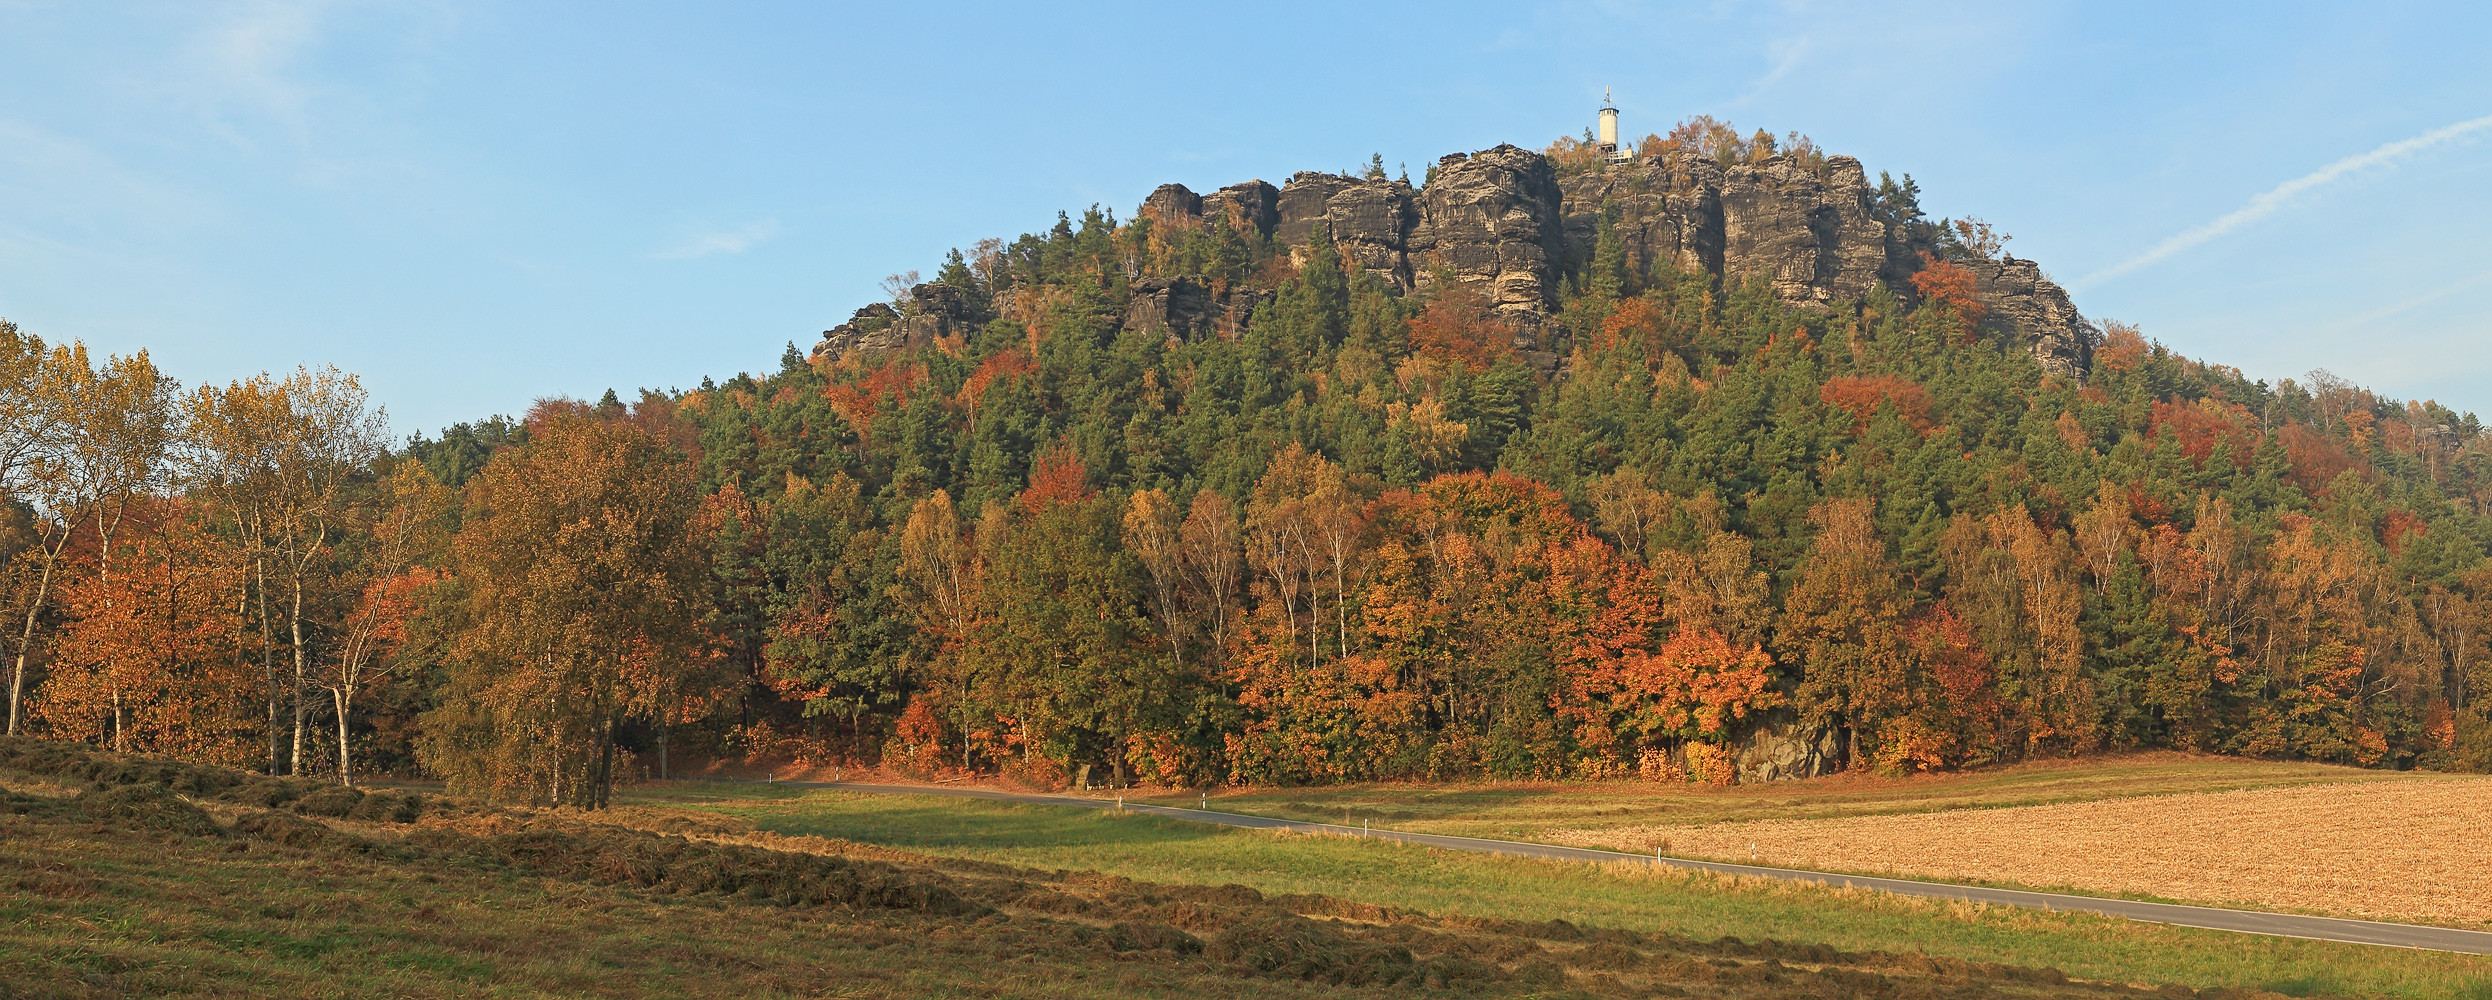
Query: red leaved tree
{"type": "Point", "coordinates": [1949, 285]}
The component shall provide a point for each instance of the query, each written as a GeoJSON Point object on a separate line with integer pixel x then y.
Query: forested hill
{"type": "Point", "coordinates": [1721, 460]}
{"type": "Point", "coordinates": [1718, 463]}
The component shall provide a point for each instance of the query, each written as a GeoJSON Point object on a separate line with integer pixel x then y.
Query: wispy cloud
{"type": "Point", "coordinates": [1788, 54]}
{"type": "Point", "coordinates": [246, 60]}
{"type": "Point", "coordinates": [711, 244]}
{"type": "Point", "coordinates": [2376, 315]}
{"type": "Point", "coordinates": [77, 185]}
{"type": "Point", "coordinates": [2282, 195]}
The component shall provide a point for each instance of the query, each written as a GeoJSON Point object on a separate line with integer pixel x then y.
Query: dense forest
{"type": "Point", "coordinates": [1364, 537]}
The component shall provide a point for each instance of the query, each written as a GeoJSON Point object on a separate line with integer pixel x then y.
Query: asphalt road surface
{"type": "Point", "coordinates": [2209, 917]}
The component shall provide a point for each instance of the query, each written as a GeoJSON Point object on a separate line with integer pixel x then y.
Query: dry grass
{"type": "Point", "coordinates": [1634, 897]}
{"type": "Point", "coordinates": [128, 877]}
{"type": "Point", "coordinates": [2384, 850]}
{"type": "Point", "coordinates": [132, 888]}
{"type": "Point", "coordinates": [1522, 810]}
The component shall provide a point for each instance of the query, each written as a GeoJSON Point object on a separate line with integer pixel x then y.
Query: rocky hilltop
{"type": "Point", "coordinates": [1508, 221]}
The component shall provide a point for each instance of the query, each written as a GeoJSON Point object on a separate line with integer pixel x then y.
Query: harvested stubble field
{"type": "Point", "coordinates": [2382, 850]}
{"type": "Point", "coordinates": [125, 877]}
{"type": "Point", "coordinates": [2191, 828]}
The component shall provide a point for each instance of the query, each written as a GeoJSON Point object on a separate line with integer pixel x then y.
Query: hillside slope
{"type": "Point", "coordinates": [1714, 464]}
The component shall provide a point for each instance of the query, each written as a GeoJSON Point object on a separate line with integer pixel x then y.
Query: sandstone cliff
{"type": "Point", "coordinates": [1811, 233]}
{"type": "Point", "coordinates": [1505, 220]}
{"type": "Point", "coordinates": [935, 311]}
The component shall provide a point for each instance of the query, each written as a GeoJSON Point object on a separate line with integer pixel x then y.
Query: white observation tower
{"type": "Point", "coordinates": [1609, 129]}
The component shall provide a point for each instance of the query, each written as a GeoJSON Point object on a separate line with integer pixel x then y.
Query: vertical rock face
{"type": "Point", "coordinates": [1780, 748]}
{"type": "Point", "coordinates": [1183, 308]}
{"type": "Point", "coordinates": [1369, 220]}
{"type": "Point", "coordinates": [1811, 234]}
{"type": "Point", "coordinates": [1492, 218]}
{"type": "Point", "coordinates": [1252, 207]}
{"type": "Point", "coordinates": [1506, 222]}
{"type": "Point", "coordinates": [1303, 203]}
{"type": "Point", "coordinates": [1808, 232]}
{"type": "Point", "coordinates": [1665, 215]}
{"type": "Point", "coordinates": [2017, 295]}
{"type": "Point", "coordinates": [1172, 204]}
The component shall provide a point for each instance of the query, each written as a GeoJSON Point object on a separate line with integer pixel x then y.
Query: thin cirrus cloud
{"type": "Point", "coordinates": [1787, 53]}
{"type": "Point", "coordinates": [2376, 315]}
{"type": "Point", "coordinates": [712, 244]}
{"type": "Point", "coordinates": [247, 62]}
{"type": "Point", "coordinates": [2277, 198]}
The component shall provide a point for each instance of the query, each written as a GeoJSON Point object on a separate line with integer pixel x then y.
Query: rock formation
{"type": "Point", "coordinates": [1493, 218]}
{"type": "Point", "coordinates": [935, 311]}
{"type": "Point", "coordinates": [1187, 309]}
{"type": "Point", "coordinates": [1506, 220]}
{"type": "Point", "coordinates": [1780, 748]}
{"type": "Point", "coordinates": [1252, 207]}
{"type": "Point", "coordinates": [1172, 204]}
{"type": "Point", "coordinates": [1809, 232]}
{"type": "Point", "coordinates": [872, 330]}
{"type": "Point", "coordinates": [2016, 293]}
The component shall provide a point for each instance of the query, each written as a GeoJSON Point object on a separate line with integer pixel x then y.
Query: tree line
{"type": "Point", "coordinates": [1361, 539]}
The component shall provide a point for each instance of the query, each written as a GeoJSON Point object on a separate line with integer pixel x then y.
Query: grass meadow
{"type": "Point", "coordinates": [1631, 897]}
{"type": "Point", "coordinates": [127, 877]}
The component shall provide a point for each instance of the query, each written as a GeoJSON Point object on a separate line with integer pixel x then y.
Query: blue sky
{"type": "Point", "coordinates": [474, 204]}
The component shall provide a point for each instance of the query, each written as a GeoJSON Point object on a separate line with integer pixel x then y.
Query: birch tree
{"type": "Point", "coordinates": [1152, 535]}
{"type": "Point", "coordinates": [108, 433]}
{"type": "Point", "coordinates": [330, 435]}
{"type": "Point", "coordinates": [407, 526]}
{"type": "Point", "coordinates": [26, 420]}
{"type": "Point", "coordinates": [236, 433]}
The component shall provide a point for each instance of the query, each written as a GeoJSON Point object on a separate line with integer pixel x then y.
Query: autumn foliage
{"type": "Point", "coordinates": [1461, 325]}
{"type": "Point", "coordinates": [1950, 285]}
{"type": "Point", "coordinates": [1344, 530]}
{"type": "Point", "coordinates": [1863, 396]}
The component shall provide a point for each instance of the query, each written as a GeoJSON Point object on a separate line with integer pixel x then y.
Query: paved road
{"type": "Point", "coordinates": [2212, 918]}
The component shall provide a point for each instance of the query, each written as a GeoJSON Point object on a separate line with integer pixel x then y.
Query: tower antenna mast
{"type": "Point", "coordinates": [1609, 128]}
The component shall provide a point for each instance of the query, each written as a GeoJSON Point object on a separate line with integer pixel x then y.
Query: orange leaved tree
{"type": "Point", "coordinates": [148, 656]}
{"type": "Point", "coordinates": [106, 430]}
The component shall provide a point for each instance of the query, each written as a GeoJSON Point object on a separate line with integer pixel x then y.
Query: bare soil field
{"type": "Point", "coordinates": [2383, 850]}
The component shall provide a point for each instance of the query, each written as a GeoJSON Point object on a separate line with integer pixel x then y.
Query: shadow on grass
{"type": "Point", "coordinates": [1478, 886]}
{"type": "Point", "coordinates": [934, 823]}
